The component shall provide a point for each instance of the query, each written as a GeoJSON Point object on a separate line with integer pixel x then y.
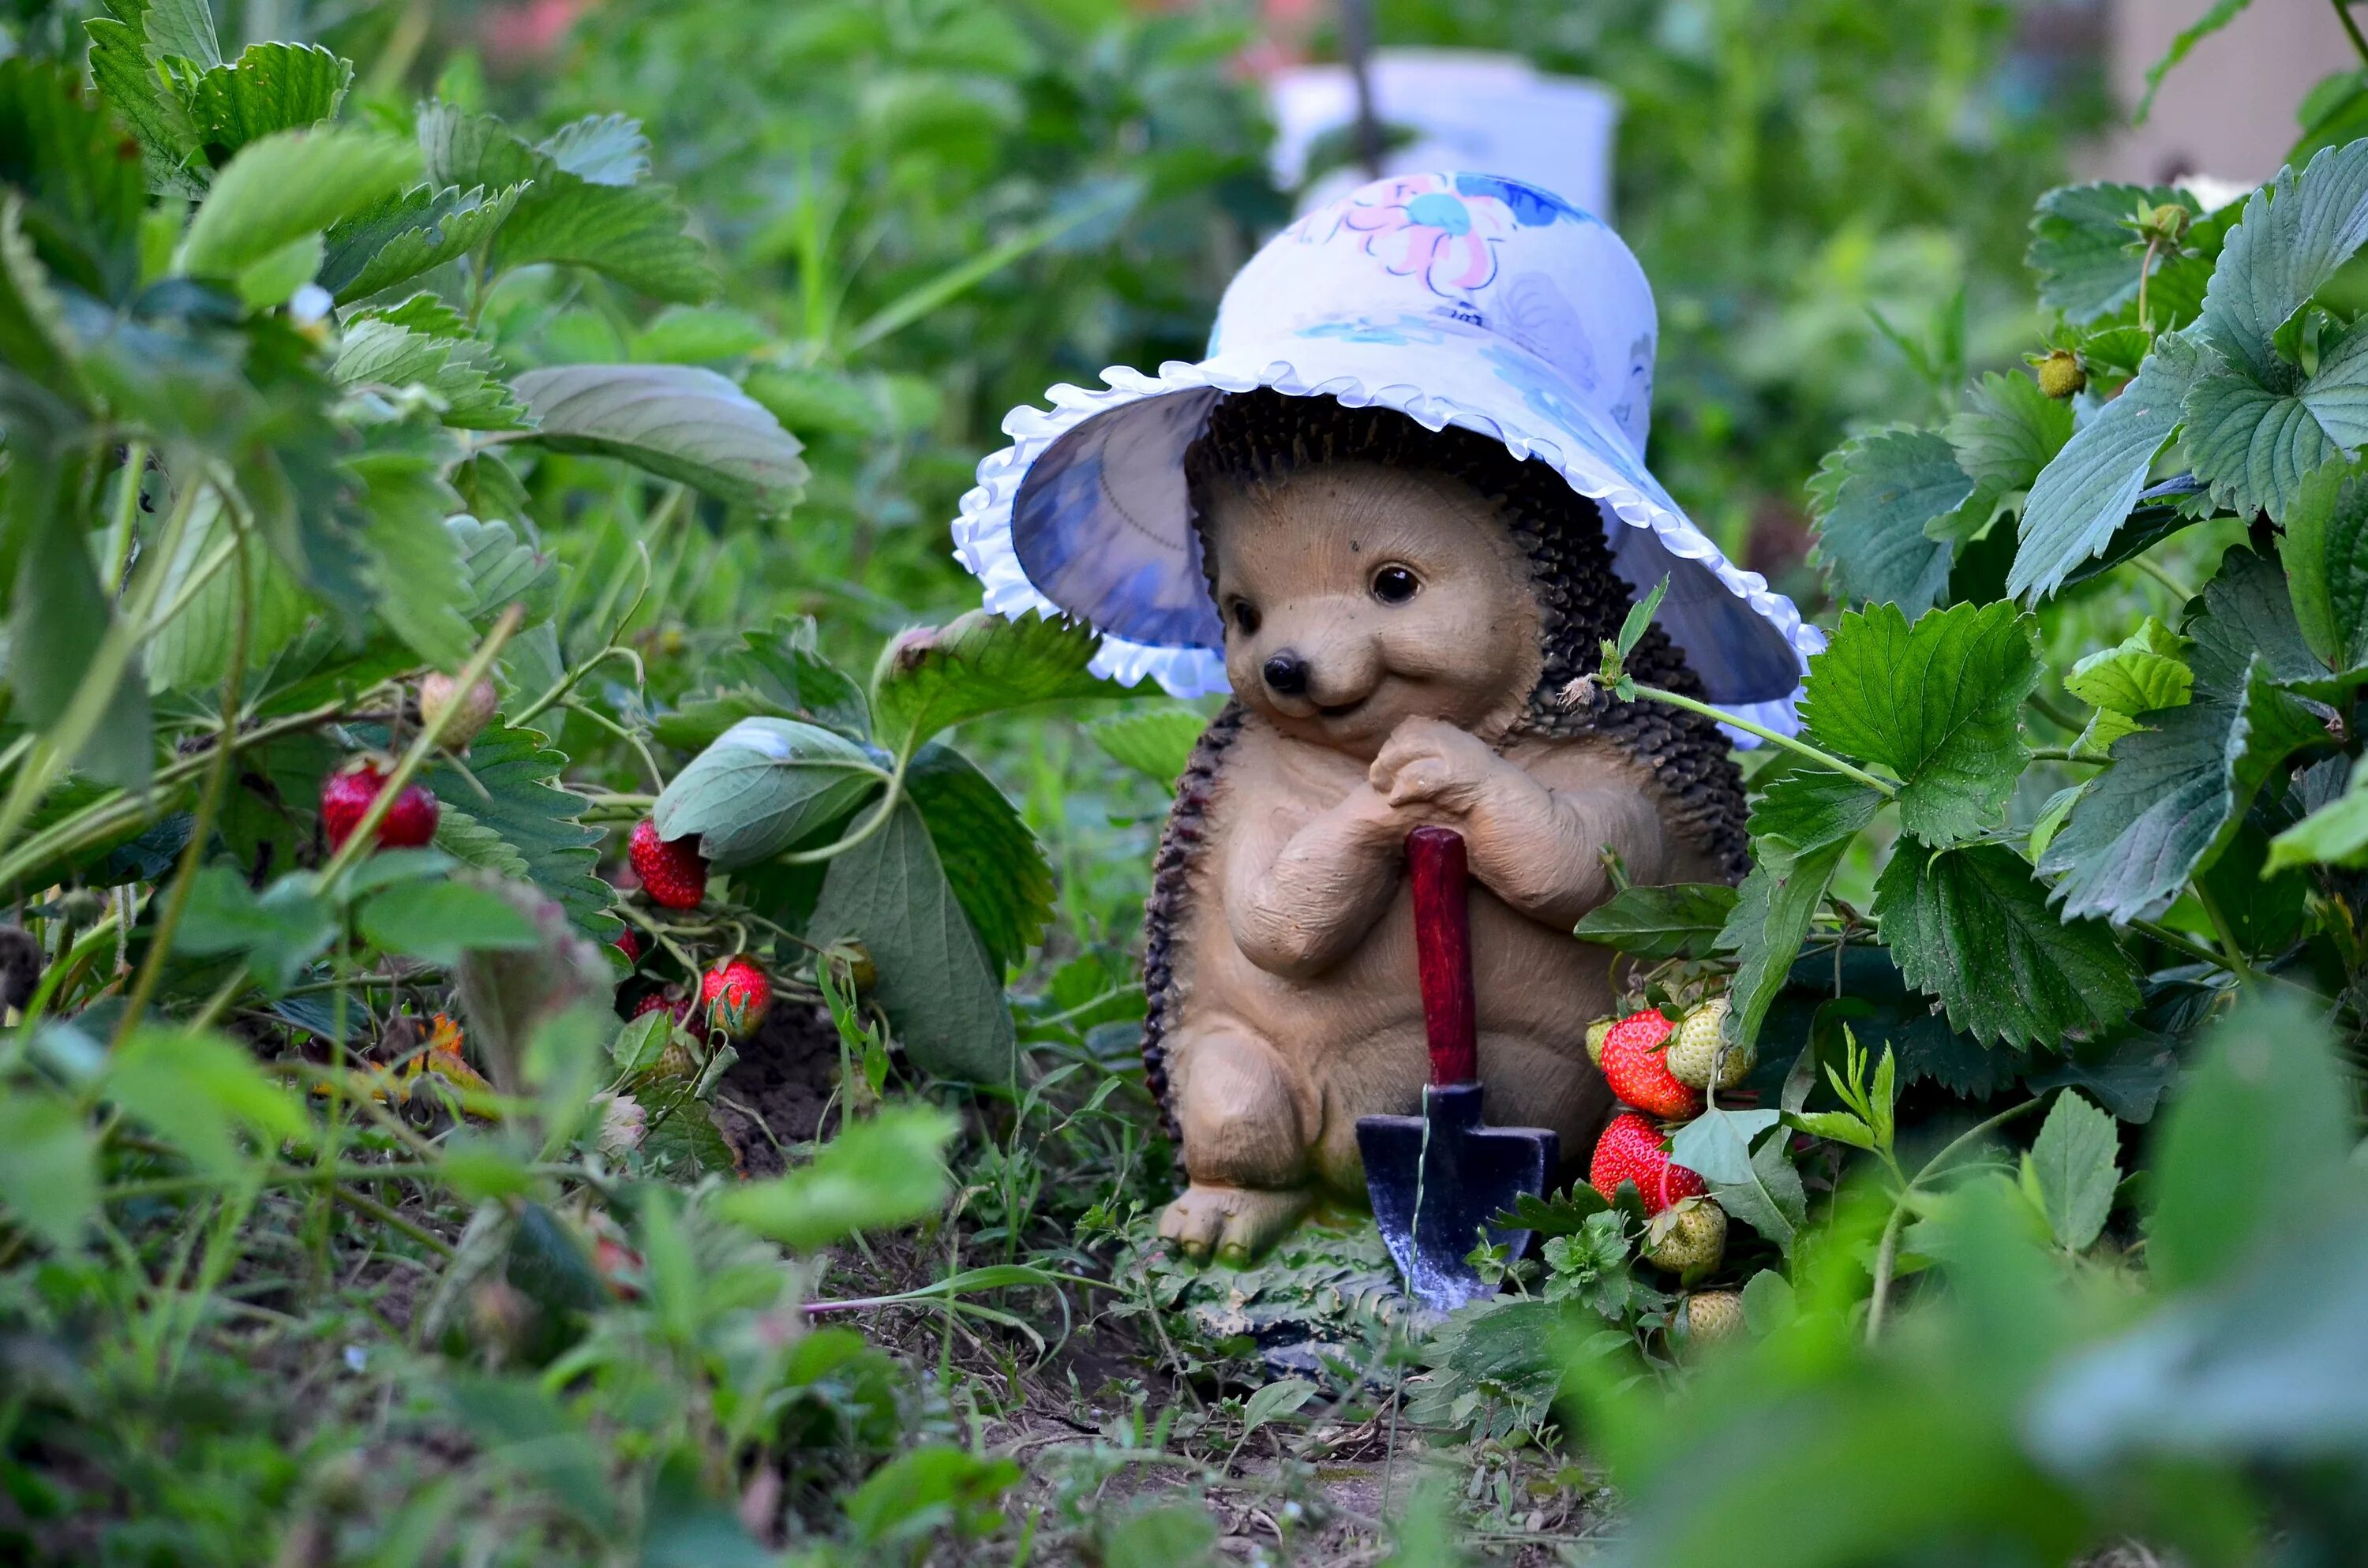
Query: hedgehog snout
{"type": "Point", "coordinates": [1285, 672]}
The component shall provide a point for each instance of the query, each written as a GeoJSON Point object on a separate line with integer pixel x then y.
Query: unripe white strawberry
{"type": "Point", "coordinates": [1594, 1033]}
{"type": "Point", "coordinates": [1693, 1049]}
{"type": "Point", "coordinates": [1713, 1315]}
{"type": "Point", "coordinates": [1691, 1235]}
{"type": "Point", "coordinates": [471, 710]}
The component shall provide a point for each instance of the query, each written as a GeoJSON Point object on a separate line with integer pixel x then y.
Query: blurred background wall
{"type": "Point", "coordinates": [2237, 131]}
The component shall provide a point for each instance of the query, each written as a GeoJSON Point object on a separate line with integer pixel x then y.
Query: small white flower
{"type": "Point", "coordinates": [308, 304]}
{"type": "Point", "coordinates": [356, 1358]}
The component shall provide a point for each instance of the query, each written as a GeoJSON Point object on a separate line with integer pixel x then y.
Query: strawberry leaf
{"type": "Point", "coordinates": [1972, 928]}
{"type": "Point", "coordinates": [1935, 703]}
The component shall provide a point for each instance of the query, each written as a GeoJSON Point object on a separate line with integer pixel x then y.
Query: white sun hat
{"type": "Point", "coordinates": [1456, 299]}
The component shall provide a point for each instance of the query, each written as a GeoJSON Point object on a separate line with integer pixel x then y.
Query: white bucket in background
{"type": "Point", "coordinates": [1469, 109]}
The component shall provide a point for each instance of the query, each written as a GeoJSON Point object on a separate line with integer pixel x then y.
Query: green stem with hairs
{"type": "Point", "coordinates": [210, 796]}
{"type": "Point", "coordinates": [1793, 743]}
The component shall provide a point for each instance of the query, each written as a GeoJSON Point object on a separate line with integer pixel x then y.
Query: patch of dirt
{"type": "Point", "coordinates": [774, 1096]}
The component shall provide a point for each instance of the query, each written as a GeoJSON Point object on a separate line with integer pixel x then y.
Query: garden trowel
{"type": "Point", "coordinates": [1436, 1179]}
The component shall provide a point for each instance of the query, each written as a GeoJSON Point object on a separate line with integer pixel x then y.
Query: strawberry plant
{"type": "Point", "coordinates": [546, 1020]}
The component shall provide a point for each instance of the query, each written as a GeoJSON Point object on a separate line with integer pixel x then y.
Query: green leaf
{"type": "Point", "coordinates": [998, 868]}
{"type": "Point", "coordinates": [606, 149]}
{"type": "Point", "coordinates": [280, 930]}
{"type": "Point", "coordinates": [413, 562]}
{"type": "Point", "coordinates": [699, 334]}
{"type": "Point", "coordinates": [192, 651]}
{"type": "Point", "coordinates": [762, 787]}
{"type": "Point", "coordinates": [35, 342]}
{"type": "Point", "coordinates": [2080, 246]}
{"type": "Point", "coordinates": [286, 185]}
{"type": "Point", "coordinates": [2007, 431]}
{"type": "Point", "coordinates": [2264, 1117]}
{"type": "Point", "coordinates": [1275, 1400]}
{"type": "Point", "coordinates": [2325, 556]}
{"type": "Point", "coordinates": [675, 420]}
{"type": "Point", "coordinates": [2140, 674]}
{"type": "Point", "coordinates": [1661, 922]}
{"type": "Point", "coordinates": [81, 191]}
{"type": "Point", "coordinates": [135, 90]}
{"type": "Point", "coordinates": [2081, 496]}
{"type": "Point", "coordinates": [1716, 1145]}
{"type": "Point", "coordinates": [1936, 704]}
{"type": "Point", "coordinates": [49, 1166]}
{"type": "Point", "coordinates": [499, 570]}
{"type": "Point", "coordinates": [523, 805]}
{"type": "Point", "coordinates": [1801, 826]}
{"type": "Point", "coordinates": [182, 30]}
{"type": "Point", "coordinates": [2076, 1159]}
{"type": "Point", "coordinates": [2222, 13]}
{"type": "Point", "coordinates": [2296, 232]}
{"type": "Point", "coordinates": [381, 354]}
{"type": "Point", "coordinates": [407, 234]}
{"type": "Point", "coordinates": [932, 679]}
{"type": "Point", "coordinates": [936, 981]}
{"type": "Point", "coordinates": [2257, 444]}
{"type": "Point", "coordinates": [1972, 928]}
{"type": "Point", "coordinates": [273, 281]}
{"type": "Point", "coordinates": [884, 1172]}
{"type": "Point", "coordinates": [2176, 792]}
{"type": "Point", "coordinates": [776, 673]}
{"type": "Point", "coordinates": [61, 610]}
{"type": "Point", "coordinates": [1155, 739]}
{"type": "Point", "coordinates": [200, 1091]}
{"type": "Point", "coordinates": [438, 921]}
{"type": "Point", "coordinates": [1873, 499]}
{"type": "Point", "coordinates": [939, 1486]}
{"type": "Point", "coordinates": [2335, 834]}
{"type": "Point", "coordinates": [633, 234]}
{"type": "Point", "coordinates": [270, 87]}
{"type": "Point", "coordinates": [1771, 1198]}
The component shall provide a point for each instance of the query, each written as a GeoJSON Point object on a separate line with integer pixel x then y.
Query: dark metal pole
{"type": "Point", "coordinates": [1357, 45]}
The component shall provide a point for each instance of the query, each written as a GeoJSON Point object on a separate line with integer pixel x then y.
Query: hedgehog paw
{"type": "Point", "coordinates": [1234, 1224]}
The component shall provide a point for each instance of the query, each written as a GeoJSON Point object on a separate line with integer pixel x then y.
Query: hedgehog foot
{"type": "Point", "coordinates": [1234, 1224]}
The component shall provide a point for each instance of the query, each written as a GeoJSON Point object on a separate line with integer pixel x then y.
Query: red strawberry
{"type": "Point", "coordinates": [1638, 1071]}
{"type": "Point", "coordinates": [629, 943]}
{"type": "Point", "coordinates": [679, 1006]}
{"type": "Point", "coordinates": [673, 874]}
{"type": "Point", "coordinates": [1632, 1149]}
{"type": "Point", "coordinates": [346, 797]}
{"type": "Point", "coordinates": [735, 995]}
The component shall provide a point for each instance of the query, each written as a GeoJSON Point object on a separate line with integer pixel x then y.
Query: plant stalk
{"type": "Point", "coordinates": [1789, 743]}
{"type": "Point", "coordinates": [209, 797]}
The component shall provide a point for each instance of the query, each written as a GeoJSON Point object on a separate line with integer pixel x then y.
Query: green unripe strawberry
{"type": "Point", "coordinates": [1594, 1033]}
{"type": "Point", "coordinates": [1693, 1049]}
{"type": "Point", "coordinates": [1713, 1315]}
{"type": "Point", "coordinates": [2060, 374]}
{"type": "Point", "coordinates": [1690, 1236]}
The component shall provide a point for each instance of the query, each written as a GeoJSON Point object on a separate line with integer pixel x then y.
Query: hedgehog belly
{"type": "Point", "coordinates": [1349, 1040]}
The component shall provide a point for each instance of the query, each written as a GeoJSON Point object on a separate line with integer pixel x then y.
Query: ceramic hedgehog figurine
{"type": "Point", "coordinates": [1393, 514]}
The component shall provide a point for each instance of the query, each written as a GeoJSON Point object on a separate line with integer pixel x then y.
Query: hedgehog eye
{"type": "Point", "coordinates": [1394, 584]}
{"type": "Point", "coordinates": [1245, 616]}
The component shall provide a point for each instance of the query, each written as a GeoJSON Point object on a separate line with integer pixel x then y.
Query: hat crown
{"type": "Point", "coordinates": [1415, 259]}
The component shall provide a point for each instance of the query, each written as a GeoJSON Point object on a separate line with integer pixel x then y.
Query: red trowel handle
{"type": "Point", "coordinates": [1442, 945]}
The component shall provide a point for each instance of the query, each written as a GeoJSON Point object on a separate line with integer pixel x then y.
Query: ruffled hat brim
{"type": "Point", "coordinates": [1085, 513]}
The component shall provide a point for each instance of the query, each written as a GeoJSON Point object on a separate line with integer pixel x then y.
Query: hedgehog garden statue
{"type": "Point", "coordinates": [1393, 514]}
